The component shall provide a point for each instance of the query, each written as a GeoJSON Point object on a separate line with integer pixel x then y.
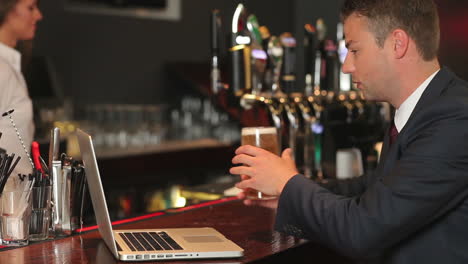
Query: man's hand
{"type": "Point", "coordinates": [268, 203]}
{"type": "Point", "coordinates": [268, 173]}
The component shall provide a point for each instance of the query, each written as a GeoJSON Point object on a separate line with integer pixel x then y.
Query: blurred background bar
{"type": "Point", "coordinates": [165, 86]}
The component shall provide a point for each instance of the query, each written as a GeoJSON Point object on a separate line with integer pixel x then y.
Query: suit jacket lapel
{"type": "Point", "coordinates": [391, 153]}
{"type": "Point", "coordinates": [432, 92]}
{"type": "Point", "coordinates": [385, 145]}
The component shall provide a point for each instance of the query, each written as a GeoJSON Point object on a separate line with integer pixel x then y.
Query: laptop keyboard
{"type": "Point", "coordinates": [149, 241]}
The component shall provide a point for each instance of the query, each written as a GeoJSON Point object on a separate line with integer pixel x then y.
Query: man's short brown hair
{"type": "Point", "coordinates": [419, 18]}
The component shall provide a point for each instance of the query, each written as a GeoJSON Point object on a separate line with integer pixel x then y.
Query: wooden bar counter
{"type": "Point", "coordinates": [249, 227]}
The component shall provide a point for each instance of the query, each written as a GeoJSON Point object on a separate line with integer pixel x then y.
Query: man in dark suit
{"type": "Point", "coordinates": [414, 208]}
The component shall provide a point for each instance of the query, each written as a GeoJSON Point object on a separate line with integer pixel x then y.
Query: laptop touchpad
{"type": "Point", "coordinates": [202, 239]}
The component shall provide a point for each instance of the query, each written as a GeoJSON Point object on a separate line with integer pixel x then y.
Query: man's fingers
{"type": "Point", "coordinates": [241, 195]}
{"type": "Point", "coordinates": [248, 202]}
{"type": "Point", "coordinates": [244, 177]}
{"type": "Point", "coordinates": [287, 154]}
{"type": "Point", "coordinates": [243, 159]}
{"type": "Point", "coordinates": [249, 150]}
{"type": "Point", "coordinates": [264, 203]}
{"type": "Point", "coordinates": [245, 184]}
{"type": "Point", "coordinates": [241, 170]}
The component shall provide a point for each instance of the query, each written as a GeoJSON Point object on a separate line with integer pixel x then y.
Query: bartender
{"type": "Point", "coordinates": [18, 19]}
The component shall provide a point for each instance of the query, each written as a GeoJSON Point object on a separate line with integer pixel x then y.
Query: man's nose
{"type": "Point", "coordinates": [38, 14]}
{"type": "Point", "coordinates": [348, 65]}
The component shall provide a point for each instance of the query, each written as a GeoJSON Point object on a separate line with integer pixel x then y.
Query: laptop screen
{"type": "Point", "coordinates": [95, 189]}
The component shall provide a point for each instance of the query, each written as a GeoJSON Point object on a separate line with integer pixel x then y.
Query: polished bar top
{"type": "Point", "coordinates": [249, 227]}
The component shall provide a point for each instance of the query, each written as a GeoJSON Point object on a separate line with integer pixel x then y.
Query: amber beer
{"type": "Point", "coordinates": [265, 138]}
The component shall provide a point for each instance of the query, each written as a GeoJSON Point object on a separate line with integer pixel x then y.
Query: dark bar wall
{"type": "Point", "coordinates": [104, 58]}
{"type": "Point", "coordinates": [454, 35]}
{"type": "Point", "coordinates": [114, 59]}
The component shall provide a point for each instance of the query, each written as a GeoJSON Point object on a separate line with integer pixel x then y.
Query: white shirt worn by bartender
{"type": "Point", "coordinates": [14, 95]}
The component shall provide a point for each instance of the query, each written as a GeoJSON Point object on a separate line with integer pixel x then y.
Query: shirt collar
{"type": "Point", "coordinates": [403, 113]}
{"type": "Point", "coordinates": [11, 56]}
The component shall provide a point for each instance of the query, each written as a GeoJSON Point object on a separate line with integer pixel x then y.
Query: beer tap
{"type": "Point", "coordinates": [240, 52]}
{"type": "Point", "coordinates": [274, 106]}
{"type": "Point", "coordinates": [308, 103]}
{"type": "Point", "coordinates": [216, 34]}
{"type": "Point", "coordinates": [268, 77]}
{"type": "Point", "coordinates": [265, 34]}
{"type": "Point", "coordinates": [254, 29]}
{"type": "Point", "coordinates": [319, 67]}
{"type": "Point", "coordinates": [332, 66]}
{"type": "Point", "coordinates": [278, 98]}
{"type": "Point", "coordinates": [273, 97]}
{"type": "Point", "coordinates": [258, 56]}
{"type": "Point", "coordinates": [294, 97]}
{"type": "Point", "coordinates": [254, 70]}
{"type": "Point", "coordinates": [308, 114]}
{"type": "Point", "coordinates": [275, 53]}
{"type": "Point", "coordinates": [310, 51]}
{"type": "Point", "coordinates": [308, 118]}
{"type": "Point", "coordinates": [314, 137]}
{"type": "Point", "coordinates": [289, 63]}
{"type": "Point", "coordinates": [255, 61]}
{"type": "Point", "coordinates": [294, 123]}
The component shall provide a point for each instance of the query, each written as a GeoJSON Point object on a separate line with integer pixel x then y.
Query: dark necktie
{"type": "Point", "coordinates": [393, 133]}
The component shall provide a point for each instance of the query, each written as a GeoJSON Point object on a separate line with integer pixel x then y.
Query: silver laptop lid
{"type": "Point", "coordinates": [95, 189]}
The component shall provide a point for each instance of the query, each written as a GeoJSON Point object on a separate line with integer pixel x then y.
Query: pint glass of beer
{"type": "Point", "coordinates": [265, 138]}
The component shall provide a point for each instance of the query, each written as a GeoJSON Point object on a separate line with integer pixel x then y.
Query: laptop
{"type": "Point", "coordinates": [150, 244]}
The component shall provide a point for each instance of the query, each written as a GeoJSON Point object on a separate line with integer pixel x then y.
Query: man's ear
{"type": "Point", "coordinates": [400, 42]}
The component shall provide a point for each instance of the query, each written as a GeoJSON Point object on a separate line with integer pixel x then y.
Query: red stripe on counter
{"type": "Point", "coordinates": [200, 205]}
{"type": "Point", "coordinates": [118, 222]}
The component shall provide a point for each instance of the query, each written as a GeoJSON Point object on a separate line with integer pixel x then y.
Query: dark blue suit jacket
{"type": "Point", "coordinates": [414, 207]}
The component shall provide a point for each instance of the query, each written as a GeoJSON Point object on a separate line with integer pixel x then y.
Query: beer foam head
{"type": "Point", "coordinates": [260, 130]}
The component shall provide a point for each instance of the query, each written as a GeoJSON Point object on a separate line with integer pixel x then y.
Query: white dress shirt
{"type": "Point", "coordinates": [14, 95]}
{"type": "Point", "coordinates": [403, 113]}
